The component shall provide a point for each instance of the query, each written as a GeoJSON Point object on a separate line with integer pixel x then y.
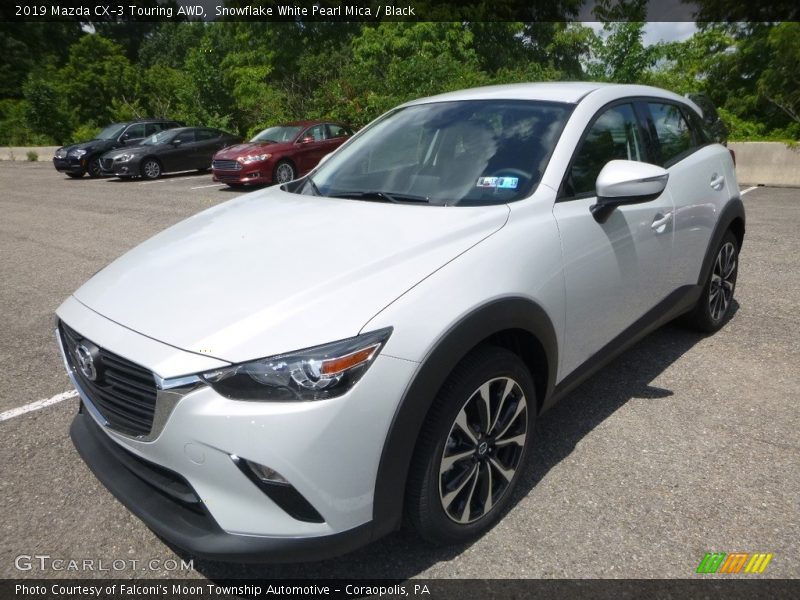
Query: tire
{"type": "Point", "coordinates": [75, 175]}
{"type": "Point", "coordinates": [714, 307]}
{"type": "Point", "coordinates": [283, 173]}
{"type": "Point", "coordinates": [93, 169]}
{"type": "Point", "coordinates": [150, 168]}
{"type": "Point", "coordinates": [447, 498]}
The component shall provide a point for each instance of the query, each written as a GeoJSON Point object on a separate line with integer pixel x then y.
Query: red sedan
{"type": "Point", "coordinates": [279, 154]}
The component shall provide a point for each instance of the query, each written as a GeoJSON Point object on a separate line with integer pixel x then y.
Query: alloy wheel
{"type": "Point", "coordinates": [284, 172]}
{"type": "Point", "coordinates": [151, 169]}
{"type": "Point", "coordinates": [723, 280]}
{"type": "Point", "coordinates": [483, 450]}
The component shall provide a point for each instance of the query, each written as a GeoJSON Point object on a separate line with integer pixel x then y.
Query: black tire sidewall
{"type": "Point", "coordinates": [423, 503]}
{"type": "Point", "coordinates": [701, 316]}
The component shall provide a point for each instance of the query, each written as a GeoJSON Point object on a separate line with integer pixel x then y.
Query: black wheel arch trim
{"type": "Point", "coordinates": [731, 213]}
{"type": "Point", "coordinates": [513, 313]}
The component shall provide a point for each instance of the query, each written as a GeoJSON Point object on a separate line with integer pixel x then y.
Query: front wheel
{"type": "Point", "coordinates": [151, 169]}
{"type": "Point", "coordinates": [94, 169]}
{"type": "Point", "coordinates": [472, 448]}
{"type": "Point", "coordinates": [715, 305]}
{"type": "Point", "coordinates": [284, 172]}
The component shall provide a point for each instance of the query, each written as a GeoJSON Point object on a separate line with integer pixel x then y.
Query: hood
{"type": "Point", "coordinates": [237, 150]}
{"type": "Point", "coordinates": [89, 146]}
{"type": "Point", "coordinates": [271, 272]}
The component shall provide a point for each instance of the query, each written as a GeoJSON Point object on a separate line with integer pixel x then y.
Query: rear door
{"type": "Point", "coordinates": [618, 269]}
{"type": "Point", "coordinates": [180, 156]}
{"type": "Point", "coordinates": [697, 182]}
{"type": "Point", "coordinates": [209, 141]}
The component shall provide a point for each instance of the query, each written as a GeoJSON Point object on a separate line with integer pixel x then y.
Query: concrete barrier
{"type": "Point", "coordinates": [757, 163]}
{"type": "Point", "coordinates": [767, 163]}
{"type": "Point", "coordinates": [21, 152]}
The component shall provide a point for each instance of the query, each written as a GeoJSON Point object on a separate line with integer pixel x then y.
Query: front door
{"type": "Point", "coordinates": [618, 269]}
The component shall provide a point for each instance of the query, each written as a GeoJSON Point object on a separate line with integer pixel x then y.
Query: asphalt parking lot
{"type": "Point", "coordinates": [682, 446]}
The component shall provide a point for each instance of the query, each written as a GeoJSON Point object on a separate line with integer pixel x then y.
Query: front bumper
{"type": "Point", "coordinates": [168, 505]}
{"type": "Point", "coordinates": [329, 451]}
{"type": "Point", "coordinates": [112, 168]}
{"type": "Point", "coordinates": [68, 165]}
{"type": "Point", "coordinates": [257, 174]}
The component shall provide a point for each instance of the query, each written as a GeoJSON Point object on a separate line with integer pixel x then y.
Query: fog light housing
{"type": "Point", "coordinates": [265, 473]}
{"type": "Point", "coordinates": [279, 490]}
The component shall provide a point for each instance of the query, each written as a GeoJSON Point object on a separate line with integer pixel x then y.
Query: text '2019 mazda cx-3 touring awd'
{"type": "Point", "coordinates": [286, 375]}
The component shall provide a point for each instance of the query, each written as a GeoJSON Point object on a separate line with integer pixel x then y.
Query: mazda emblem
{"type": "Point", "coordinates": [86, 362]}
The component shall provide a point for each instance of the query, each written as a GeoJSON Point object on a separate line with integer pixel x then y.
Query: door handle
{"type": "Point", "coordinates": [717, 181]}
{"type": "Point", "coordinates": [660, 222]}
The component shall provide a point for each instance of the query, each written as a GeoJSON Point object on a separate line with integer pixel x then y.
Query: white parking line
{"type": "Point", "coordinates": [750, 189]}
{"type": "Point", "coordinates": [178, 179]}
{"type": "Point", "coordinates": [200, 187]}
{"type": "Point", "coordinates": [15, 412]}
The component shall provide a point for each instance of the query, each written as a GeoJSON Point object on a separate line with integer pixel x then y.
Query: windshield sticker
{"type": "Point", "coordinates": [505, 183]}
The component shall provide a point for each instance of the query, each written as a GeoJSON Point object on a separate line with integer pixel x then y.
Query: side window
{"type": "Point", "coordinates": [614, 135]}
{"type": "Point", "coordinates": [672, 130]}
{"type": "Point", "coordinates": [336, 131]}
{"type": "Point", "coordinates": [186, 137]}
{"type": "Point", "coordinates": [134, 132]}
{"type": "Point", "coordinates": [317, 132]}
{"type": "Point", "coordinates": [151, 128]}
{"type": "Point", "coordinates": [206, 134]}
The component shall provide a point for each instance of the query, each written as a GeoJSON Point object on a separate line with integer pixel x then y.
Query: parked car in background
{"type": "Point", "coordinates": [296, 372]}
{"type": "Point", "coordinates": [279, 154]}
{"type": "Point", "coordinates": [84, 157]}
{"type": "Point", "coordinates": [180, 149]}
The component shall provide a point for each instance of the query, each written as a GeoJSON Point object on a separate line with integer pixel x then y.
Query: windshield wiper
{"type": "Point", "coordinates": [313, 186]}
{"type": "Point", "coordinates": [383, 196]}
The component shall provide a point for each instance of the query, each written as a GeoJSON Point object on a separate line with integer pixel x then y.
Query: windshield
{"type": "Point", "coordinates": [111, 132]}
{"type": "Point", "coordinates": [163, 137]}
{"type": "Point", "coordinates": [281, 133]}
{"type": "Point", "coordinates": [464, 153]}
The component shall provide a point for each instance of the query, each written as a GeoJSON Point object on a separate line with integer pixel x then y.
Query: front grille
{"type": "Point", "coordinates": [226, 165]}
{"type": "Point", "coordinates": [123, 392]}
{"type": "Point", "coordinates": [107, 163]}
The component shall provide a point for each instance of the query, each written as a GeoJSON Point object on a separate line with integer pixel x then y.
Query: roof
{"type": "Point", "coordinates": [560, 91]}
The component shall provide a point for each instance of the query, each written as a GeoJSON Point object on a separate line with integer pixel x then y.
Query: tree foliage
{"type": "Point", "coordinates": [60, 81]}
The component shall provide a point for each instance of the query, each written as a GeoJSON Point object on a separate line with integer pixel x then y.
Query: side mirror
{"type": "Point", "coordinates": [627, 182]}
{"type": "Point", "coordinates": [307, 140]}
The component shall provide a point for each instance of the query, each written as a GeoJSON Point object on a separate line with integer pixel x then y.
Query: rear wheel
{"type": "Point", "coordinates": [472, 448]}
{"type": "Point", "coordinates": [93, 168]}
{"type": "Point", "coordinates": [151, 168]}
{"type": "Point", "coordinates": [714, 307]}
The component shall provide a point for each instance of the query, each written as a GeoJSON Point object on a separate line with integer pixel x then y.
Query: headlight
{"type": "Point", "coordinates": [78, 153]}
{"type": "Point", "coordinates": [254, 158]}
{"type": "Point", "coordinates": [123, 158]}
{"type": "Point", "coordinates": [61, 153]}
{"type": "Point", "coordinates": [317, 373]}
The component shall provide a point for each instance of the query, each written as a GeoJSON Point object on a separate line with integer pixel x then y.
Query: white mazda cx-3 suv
{"type": "Point", "coordinates": [286, 375]}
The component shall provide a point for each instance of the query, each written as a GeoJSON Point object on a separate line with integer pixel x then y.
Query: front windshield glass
{"type": "Point", "coordinates": [111, 132]}
{"type": "Point", "coordinates": [162, 137]}
{"type": "Point", "coordinates": [463, 153]}
{"type": "Point", "coordinates": [278, 134]}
